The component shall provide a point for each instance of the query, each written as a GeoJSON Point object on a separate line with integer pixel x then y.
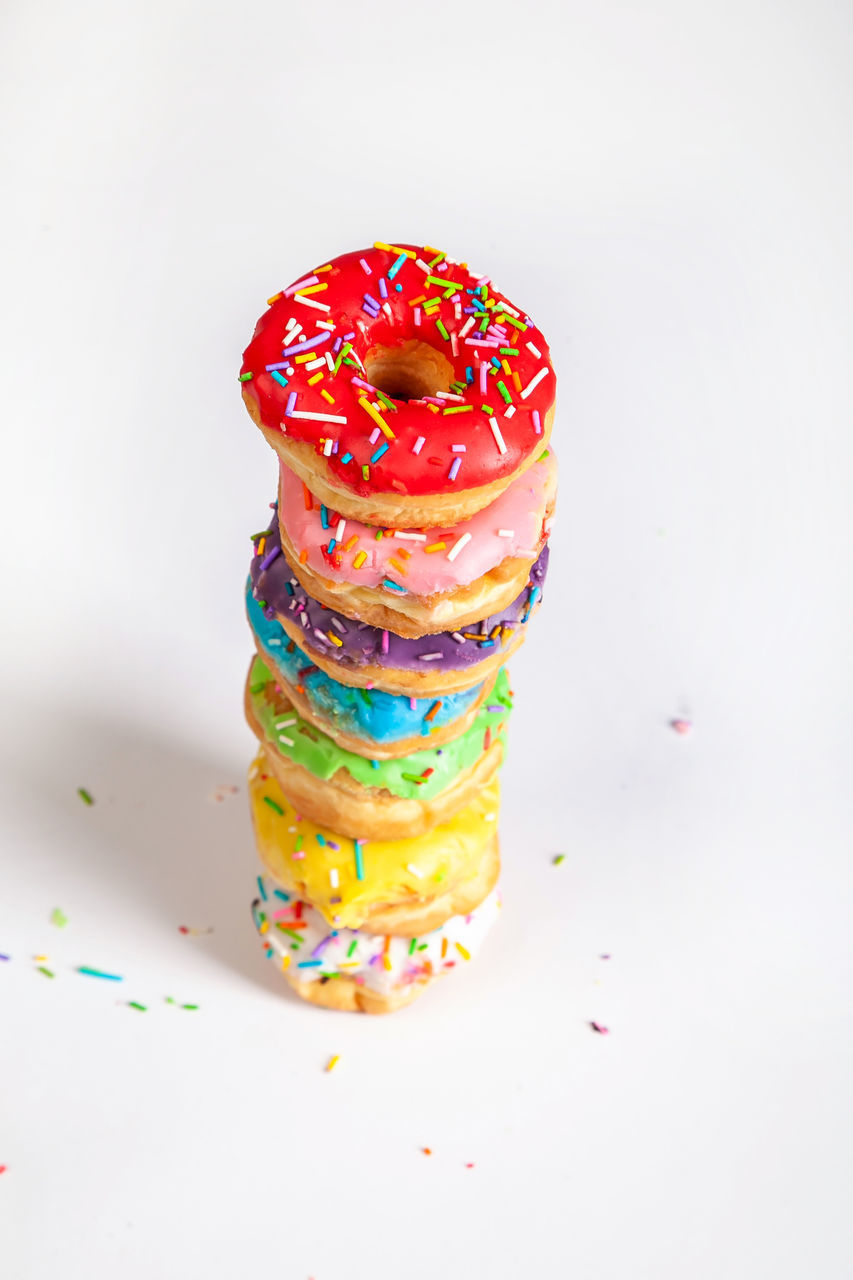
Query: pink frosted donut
{"type": "Point", "coordinates": [414, 581]}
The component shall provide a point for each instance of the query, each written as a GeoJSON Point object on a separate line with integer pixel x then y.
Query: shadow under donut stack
{"type": "Point", "coordinates": [410, 405]}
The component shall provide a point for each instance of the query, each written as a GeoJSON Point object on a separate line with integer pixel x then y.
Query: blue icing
{"type": "Point", "coordinates": [366, 713]}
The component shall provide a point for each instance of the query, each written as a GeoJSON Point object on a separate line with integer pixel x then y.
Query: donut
{"type": "Point", "coordinates": [400, 386]}
{"type": "Point", "coordinates": [416, 583]}
{"type": "Point", "coordinates": [378, 799]}
{"type": "Point", "coordinates": [364, 656]}
{"type": "Point", "coordinates": [370, 722]}
{"type": "Point", "coordinates": [402, 887]}
{"type": "Point", "coordinates": [354, 971]}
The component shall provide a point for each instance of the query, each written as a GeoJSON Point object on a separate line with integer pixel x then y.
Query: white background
{"type": "Point", "coordinates": [667, 189]}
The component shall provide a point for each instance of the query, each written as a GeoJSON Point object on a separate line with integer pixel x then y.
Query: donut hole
{"type": "Point", "coordinates": [409, 371]}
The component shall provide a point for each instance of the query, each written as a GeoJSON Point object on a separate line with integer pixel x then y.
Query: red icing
{"type": "Point", "coordinates": [400, 469]}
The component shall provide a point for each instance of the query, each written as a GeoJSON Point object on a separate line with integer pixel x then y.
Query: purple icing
{"type": "Point", "coordinates": [364, 645]}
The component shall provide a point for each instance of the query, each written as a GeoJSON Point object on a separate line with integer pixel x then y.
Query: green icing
{"type": "Point", "coordinates": [317, 752]}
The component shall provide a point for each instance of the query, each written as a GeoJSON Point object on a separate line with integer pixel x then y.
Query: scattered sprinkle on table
{"type": "Point", "coordinates": [48, 973]}
{"type": "Point", "coordinates": [470, 1165]}
{"type": "Point", "coordinates": [85, 796]}
{"type": "Point", "coordinates": [194, 933]}
{"type": "Point", "coordinates": [600, 1028]}
{"type": "Point", "coordinates": [134, 1004]}
{"type": "Point", "coordinates": [59, 918]}
{"type": "Point", "coordinates": [427, 1151]}
{"type": "Point", "coordinates": [681, 726]}
{"type": "Point", "coordinates": [4, 957]}
{"type": "Point", "coordinates": [99, 973]}
{"type": "Point", "coordinates": [558, 859]}
{"type": "Point", "coordinates": [333, 1062]}
{"type": "Point", "coordinates": [223, 791]}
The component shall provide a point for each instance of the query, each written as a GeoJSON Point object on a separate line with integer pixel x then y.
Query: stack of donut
{"type": "Point", "coordinates": [410, 405]}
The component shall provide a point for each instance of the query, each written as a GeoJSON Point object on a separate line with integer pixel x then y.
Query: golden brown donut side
{"type": "Point", "coordinates": [345, 995]}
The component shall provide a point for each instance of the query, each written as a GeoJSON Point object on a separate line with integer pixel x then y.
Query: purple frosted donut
{"type": "Point", "coordinates": [359, 654]}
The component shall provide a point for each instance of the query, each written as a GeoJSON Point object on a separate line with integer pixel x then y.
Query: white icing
{"type": "Point", "coordinates": [381, 967]}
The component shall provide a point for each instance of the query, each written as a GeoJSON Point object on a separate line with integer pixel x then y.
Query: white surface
{"type": "Point", "coordinates": [667, 188]}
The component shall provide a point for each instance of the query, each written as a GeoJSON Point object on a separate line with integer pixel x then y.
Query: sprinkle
{"type": "Point", "coordinates": [134, 1004]}
{"type": "Point", "coordinates": [430, 657]}
{"type": "Point", "coordinates": [383, 449]}
{"type": "Point", "coordinates": [85, 795]}
{"type": "Point", "coordinates": [365, 268]}
{"type": "Point", "coordinates": [600, 1028]}
{"type": "Point", "coordinates": [309, 964]}
{"type": "Point", "coordinates": [376, 416]}
{"type": "Point", "coordinates": [454, 470]}
{"type": "Point", "coordinates": [435, 546]}
{"type": "Point", "coordinates": [561, 857]}
{"type": "Point", "coordinates": [274, 805]}
{"type": "Point", "coordinates": [309, 342]}
{"type": "Point", "coordinates": [334, 877]}
{"type": "Point", "coordinates": [392, 271]}
{"type": "Point", "coordinates": [270, 557]}
{"type": "Point", "coordinates": [419, 444]}
{"type": "Point", "coordinates": [463, 951]}
{"type": "Point", "coordinates": [48, 973]}
{"type": "Point", "coordinates": [534, 350]}
{"type": "Point", "coordinates": [98, 973]}
{"type": "Point", "coordinates": [309, 302]}
{"type": "Point", "coordinates": [262, 888]}
{"type": "Point", "coordinates": [534, 382]}
{"type": "Point", "coordinates": [427, 1151]}
{"type": "Point", "coordinates": [59, 918]}
{"type": "Point", "coordinates": [359, 560]}
{"type": "Point", "coordinates": [291, 401]}
{"type": "Point", "coordinates": [502, 388]}
{"type": "Point", "coordinates": [246, 377]}
{"type": "Point", "coordinates": [457, 546]}
{"type": "Point", "coordinates": [395, 586]}
{"type": "Point", "coordinates": [681, 726]}
{"type": "Point", "coordinates": [359, 865]}
{"type": "Point", "coordinates": [506, 533]}
{"type": "Point", "coordinates": [458, 448]}
{"type": "Point", "coordinates": [314, 417]}
{"type": "Point", "coordinates": [189, 1006]}
{"type": "Point", "coordinates": [336, 1057]}
{"type": "Point", "coordinates": [431, 714]}
{"type": "Point", "coordinates": [411, 537]}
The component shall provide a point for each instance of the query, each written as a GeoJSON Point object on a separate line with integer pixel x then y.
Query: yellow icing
{"type": "Point", "coordinates": [443, 856]}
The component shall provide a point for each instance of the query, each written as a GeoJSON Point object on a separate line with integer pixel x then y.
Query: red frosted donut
{"type": "Point", "coordinates": [400, 386]}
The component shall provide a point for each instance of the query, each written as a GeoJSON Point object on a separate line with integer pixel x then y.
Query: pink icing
{"type": "Point", "coordinates": [512, 525]}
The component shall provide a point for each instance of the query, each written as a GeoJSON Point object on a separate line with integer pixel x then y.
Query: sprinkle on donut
{"type": "Point", "coordinates": [405, 370]}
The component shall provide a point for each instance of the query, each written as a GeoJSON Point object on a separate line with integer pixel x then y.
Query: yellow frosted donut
{"type": "Point", "coordinates": [400, 887]}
